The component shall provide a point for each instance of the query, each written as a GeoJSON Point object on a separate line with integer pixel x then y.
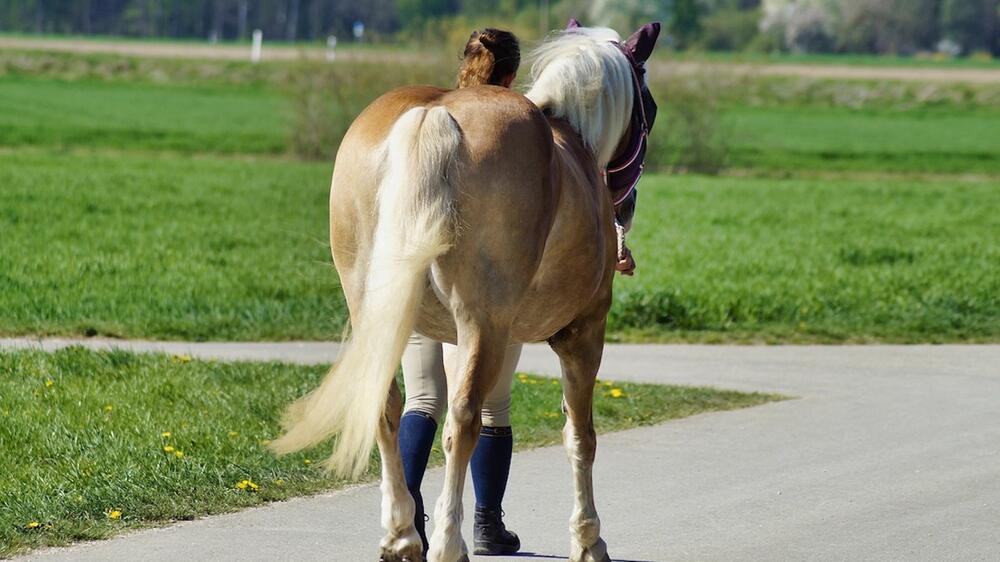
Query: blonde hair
{"type": "Point", "coordinates": [582, 76]}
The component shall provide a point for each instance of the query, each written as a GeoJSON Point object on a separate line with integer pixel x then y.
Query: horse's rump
{"type": "Point", "coordinates": [509, 208]}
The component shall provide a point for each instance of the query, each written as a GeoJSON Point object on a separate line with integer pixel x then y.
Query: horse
{"type": "Point", "coordinates": [479, 217]}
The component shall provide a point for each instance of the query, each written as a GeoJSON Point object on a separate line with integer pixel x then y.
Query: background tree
{"type": "Point", "coordinates": [888, 26]}
{"type": "Point", "coordinates": [685, 23]}
{"type": "Point", "coordinates": [970, 23]}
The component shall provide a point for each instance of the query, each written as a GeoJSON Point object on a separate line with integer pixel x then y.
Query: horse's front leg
{"type": "Point", "coordinates": [480, 360]}
{"type": "Point", "coordinates": [579, 347]}
{"type": "Point", "coordinates": [401, 542]}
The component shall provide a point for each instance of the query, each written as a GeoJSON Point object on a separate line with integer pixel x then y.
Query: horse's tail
{"type": "Point", "coordinates": [414, 226]}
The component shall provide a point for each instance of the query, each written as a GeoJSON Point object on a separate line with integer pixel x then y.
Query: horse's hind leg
{"type": "Point", "coordinates": [480, 359]}
{"type": "Point", "coordinates": [401, 542]}
{"type": "Point", "coordinates": [579, 347]}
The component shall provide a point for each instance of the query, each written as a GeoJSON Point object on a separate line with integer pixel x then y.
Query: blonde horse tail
{"type": "Point", "coordinates": [414, 226]}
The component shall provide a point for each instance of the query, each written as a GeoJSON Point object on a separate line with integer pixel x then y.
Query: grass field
{"type": "Point", "coordinates": [161, 199]}
{"type": "Point", "coordinates": [166, 247]}
{"type": "Point", "coordinates": [788, 139]}
{"type": "Point", "coordinates": [179, 248]}
{"type": "Point", "coordinates": [141, 116]}
{"type": "Point", "coordinates": [98, 443]}
{"type": "Point", "coordinates": [807, 131]}
{"type": "Point", "coordinates": [814, 260]}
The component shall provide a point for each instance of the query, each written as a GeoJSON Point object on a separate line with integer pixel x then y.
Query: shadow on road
{"type": "Point", "coordinates": [554, 557]}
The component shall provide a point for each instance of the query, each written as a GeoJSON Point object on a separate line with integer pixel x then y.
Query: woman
{"type": "Point", "coordinates": [491, 57]}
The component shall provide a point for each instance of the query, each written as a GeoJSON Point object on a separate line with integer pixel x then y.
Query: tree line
{"type": "Point", "coordinates": [861, 26]}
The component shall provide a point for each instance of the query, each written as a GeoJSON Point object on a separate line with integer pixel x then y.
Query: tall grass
{"type": "Point", "coordinates": [326, 98]}
{"type": "Point", "coordinates": [690, 134]}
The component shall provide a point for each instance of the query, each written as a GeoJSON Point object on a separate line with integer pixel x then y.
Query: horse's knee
{"type": "Point", "coordinates": [464, 411]}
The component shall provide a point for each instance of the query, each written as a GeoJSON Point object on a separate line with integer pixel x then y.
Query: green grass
{"type": "Point", "coordinates": [779, 124]}
{"type": "Point", "coordinates": [234, 249]}
{"type": "Point", "coordinates": [83, 435]}
{"type": "Point", "coordinates": [258, 120]}
{"type": "Point", "coordinates": [842, 139]}
{"type": "Point", "coordinates": [894, 260]}
{"type": "Point", "coordinates": [141, 116]}
{"type": "Point", "coordinates": [141, 246]}
{"type": "Point", "coordinates": [134, 208]}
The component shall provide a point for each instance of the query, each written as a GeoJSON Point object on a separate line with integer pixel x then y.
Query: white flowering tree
{"type": "Point", "coordinates": [802, 25]}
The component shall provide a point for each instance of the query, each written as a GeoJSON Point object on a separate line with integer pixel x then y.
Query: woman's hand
{"type": "Point", "coordinates": [626, 263]}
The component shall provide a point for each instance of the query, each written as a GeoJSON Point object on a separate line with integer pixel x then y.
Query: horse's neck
{"type": "Point", "coordinates": [575, 159]}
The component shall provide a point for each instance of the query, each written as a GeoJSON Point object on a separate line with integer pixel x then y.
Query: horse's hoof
{"type": "Point", "coordinates": [393, 557]}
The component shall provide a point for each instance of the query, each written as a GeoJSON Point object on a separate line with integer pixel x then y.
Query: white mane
{"type": "Point", "coordinates": [581, 76]}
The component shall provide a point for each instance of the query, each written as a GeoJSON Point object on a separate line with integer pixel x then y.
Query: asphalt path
{"type": "Point", "coordinates": [884, 453]}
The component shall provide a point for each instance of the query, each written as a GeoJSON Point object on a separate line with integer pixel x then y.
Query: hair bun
{"type": "Point", "coordinates": [491, 56]}
{"type": "Point", "coordinates": [487, 38]}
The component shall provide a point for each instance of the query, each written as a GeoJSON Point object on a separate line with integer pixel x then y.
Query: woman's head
{"type": "Point", "coordinates": [491, 57]}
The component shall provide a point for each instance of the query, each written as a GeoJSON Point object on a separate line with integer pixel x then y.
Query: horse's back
{"type": "Point", "coordinates": [528, 247]}
{"type": "Point", "coordinates": [502, 183]}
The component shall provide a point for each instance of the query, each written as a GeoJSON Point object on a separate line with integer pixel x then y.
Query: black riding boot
{"type": "Point", "coordinates": [491, 537]}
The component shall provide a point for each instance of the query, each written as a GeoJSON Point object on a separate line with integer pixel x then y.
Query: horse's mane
{"type": "Point", "coordinates": [581, 76]}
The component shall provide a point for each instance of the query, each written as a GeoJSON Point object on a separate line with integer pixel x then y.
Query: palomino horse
{"type": "Point", "coordinates": [479, 217]}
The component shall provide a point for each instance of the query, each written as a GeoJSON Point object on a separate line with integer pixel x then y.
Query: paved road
{"type": "Point", "coordinates": [888, 453]}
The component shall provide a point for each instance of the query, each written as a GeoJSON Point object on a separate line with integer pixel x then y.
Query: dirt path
{"type": "Point", "coordinates": [199, 51]}
{"type": "Point", "coordinates": [843, 72]}
{"type": "Point", "coordinates": [284, 53]}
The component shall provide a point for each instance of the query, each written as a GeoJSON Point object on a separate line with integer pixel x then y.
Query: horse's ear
{"type": "Point", "coordinates": [641, 42]}
{"type": "Point", "coordinates": [573, 24]}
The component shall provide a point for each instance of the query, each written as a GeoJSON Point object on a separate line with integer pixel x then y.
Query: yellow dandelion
{"type": "Point", "coordinates": [279, 482]}
{"type": "Point", "coordinates": [49, 383]}
{"type": "Point", "coordinates": [109, 408]}
{"type": "Point", "coordinates": [33, 525]}
{"type": "Point", "coordinates": [168, 449]}
{"type": "Point", "coordinates": [608, 383]}
{"type": "Point", "coordinates": [233, 434]}
{"type": "Point", "coordinates": [307, 461]}
{"type": "Point", "coordinates": [616, 393]}
{"type": "Point", "coordinates": [114, 514]}
{"type": "Point", "coordinates": [179, 454]}
{"type": "Point", "coordinates": [166, 434]}
{"type": "Point", "coordinates": [182, 358]}
{"type": "Point", "coordinates": [247, 485]}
